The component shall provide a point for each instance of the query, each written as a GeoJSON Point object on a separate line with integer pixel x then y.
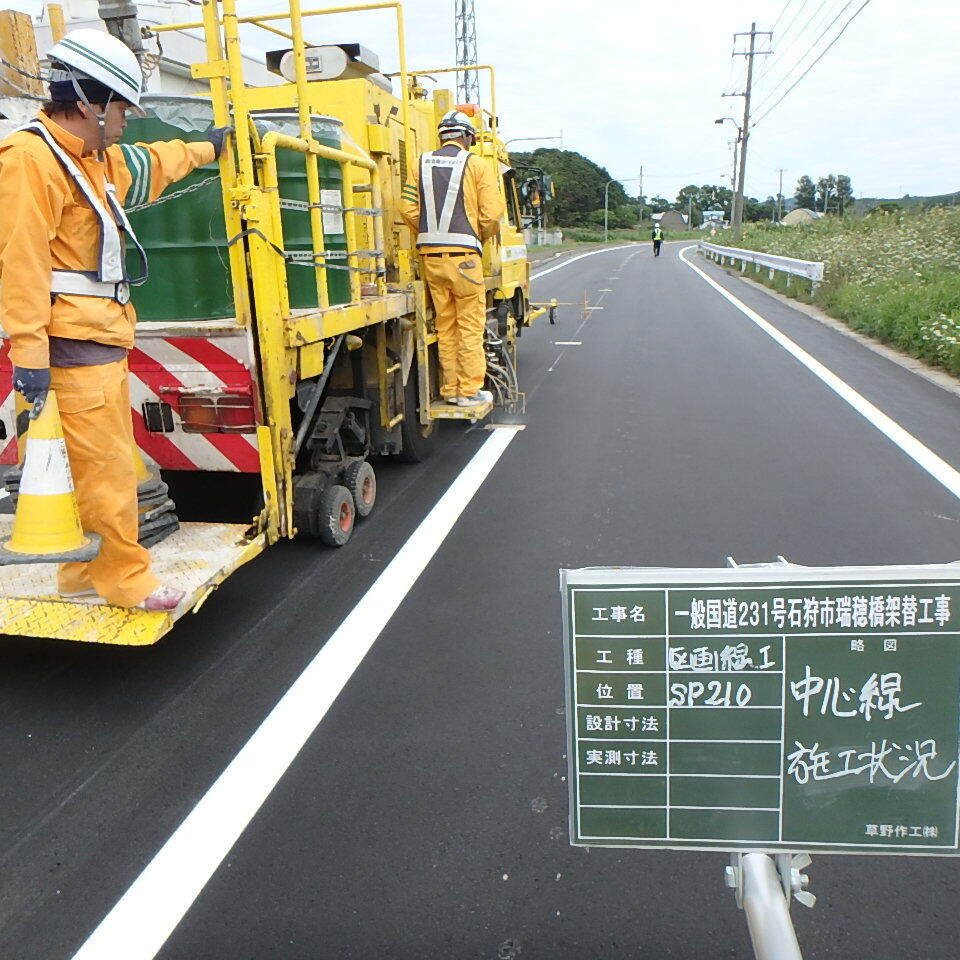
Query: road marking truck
{"type": "Point", "coordinates": [284, 333]}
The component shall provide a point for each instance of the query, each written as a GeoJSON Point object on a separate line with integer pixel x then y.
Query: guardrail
{"type": "Point", "coordinates": [808, 269]}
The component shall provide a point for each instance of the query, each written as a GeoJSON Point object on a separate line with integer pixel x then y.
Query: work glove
{"type": "Point", "coordinates": [33, 386]}
{"type": "Point", "coordinates": [218, 136]}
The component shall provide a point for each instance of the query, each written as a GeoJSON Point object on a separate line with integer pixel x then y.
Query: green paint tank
{"type": "Point", "coordinates": [184, 237]}
{"type": "Point", "coordinates": [292, 176]}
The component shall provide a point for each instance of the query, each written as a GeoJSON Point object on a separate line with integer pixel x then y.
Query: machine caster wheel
{"type": "Point", "coordinates": [337, 516]}
{"type": "Point", "coordinates": [308, 490]}
{"type": "Point", "coordinates": [361, 481]}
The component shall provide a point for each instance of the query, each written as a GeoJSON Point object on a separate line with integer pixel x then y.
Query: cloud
{"type": "Point", "coordinates": [633, 84]}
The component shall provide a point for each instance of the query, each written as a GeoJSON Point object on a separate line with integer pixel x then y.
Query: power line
{"type": "Point", "coordinates": [793, 20]}
{"type": "Point", "coordinates": [780, 15]}
{"type": "Point", "coordinates": [769, 96]}
{"type": "Point", "coordinates": [734, 80]}
{"type": "Point", "coordinates": [815, 62]}
{"type": "Point", "coordinates": [775, 61]}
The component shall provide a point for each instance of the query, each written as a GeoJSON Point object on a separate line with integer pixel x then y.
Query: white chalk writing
{"type": "Point", "coordinates": [881, 760]}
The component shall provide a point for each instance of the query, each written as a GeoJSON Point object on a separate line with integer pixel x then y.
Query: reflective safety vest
{"type": "Point", "coordinates": [657, 233]}
{"type": "Point", "coordinates": [443, 214]}
{"type": "Point", "coordinates": [110, 279]}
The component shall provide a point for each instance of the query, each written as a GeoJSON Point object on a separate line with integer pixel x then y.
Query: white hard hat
{"type": "Point", "coordinates": [104, 58]}
{"type": "Point", "coordinates": [455, 124]}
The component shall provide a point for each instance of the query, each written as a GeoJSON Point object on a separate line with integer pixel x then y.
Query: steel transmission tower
{"type": "Point", "coordinates": [468, 84]}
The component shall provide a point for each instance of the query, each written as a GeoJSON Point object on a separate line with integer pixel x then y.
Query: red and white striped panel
{"type": "Point", "coordinates": [161, 368]}
{"type": "Point", "coordinates": [8, 446]}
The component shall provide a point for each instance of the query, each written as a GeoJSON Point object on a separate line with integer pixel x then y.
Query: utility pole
{"type": "Point", "coordinates": [737, 215]}
{"type": "Point", "coordinates": [641, 194]}
{"type": "Point", "coordinates": [468, 83]}
{"type": "Point", "coordinates": [780, 197]}
{"type": "Point", "coordinates": [606, 202]}
{"type": "Point", "coordinates": [733, 179]}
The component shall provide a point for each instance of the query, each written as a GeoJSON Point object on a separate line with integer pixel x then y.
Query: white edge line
{"type": "Point", "coordinates": [4, 493]}
{"type": "Point", "coordinates": [580, 256]}
{"type": "Point", "coordinates": [922, 455]}
{"type": "Point", "coordinates": [145, 916]}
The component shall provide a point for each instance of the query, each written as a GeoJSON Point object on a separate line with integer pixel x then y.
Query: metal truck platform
{"type": "Point", "coordinates": [196, 558]}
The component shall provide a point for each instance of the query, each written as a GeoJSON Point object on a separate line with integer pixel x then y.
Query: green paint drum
{"type": "Point", "coordinates": [292, 177]}
{"type": "Point", "coordinates": [184, 237]}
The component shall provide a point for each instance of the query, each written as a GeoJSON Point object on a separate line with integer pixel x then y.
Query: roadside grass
{"type": "Point", "coordinates": [621, 235]}
{"type": "Point", "coordinates": [894, 277]}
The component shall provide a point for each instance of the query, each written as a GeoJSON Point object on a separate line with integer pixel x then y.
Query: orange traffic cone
{"type": "Point", "coordinates": [22, 408]}
{"type": "Point", "coordinates": [46, 526]}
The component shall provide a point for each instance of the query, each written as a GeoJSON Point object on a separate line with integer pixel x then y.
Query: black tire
{"type": "Point", "coordinates": [519, 308]}
{"type": "Point", "coordinates": [503, 318]}
{"type": "Point", "coordinates": [361, 481]}
{"type": "Point", "coordinates": [418, 441]}
{"type": "Point", "coordinates": [308, 491]}
{"type": "Point", "coordinates": [337, 516]}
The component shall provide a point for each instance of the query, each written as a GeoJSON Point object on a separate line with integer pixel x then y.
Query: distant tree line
{"type": "Point", "coordinates": [580, 183]}
{"type": "Point", "coordinates": [830, 194]}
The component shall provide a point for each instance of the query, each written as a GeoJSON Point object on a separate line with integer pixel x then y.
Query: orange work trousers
{"type": "Point", "coordinates": [460, 307]}
{"type": "Point", "coordinates": [98, 430]}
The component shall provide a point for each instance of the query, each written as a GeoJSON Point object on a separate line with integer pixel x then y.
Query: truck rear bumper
{"type": "Point", "coordinates": [197, 559]}
{"type": "Point", "coordinates": [170, 363]}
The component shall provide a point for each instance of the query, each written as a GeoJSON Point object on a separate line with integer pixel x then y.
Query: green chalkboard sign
{"type": "Point", "coordinates": [766, 707]}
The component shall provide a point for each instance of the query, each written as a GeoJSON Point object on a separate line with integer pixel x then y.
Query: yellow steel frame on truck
{"type": "Point", "coordinates": [257, 206]}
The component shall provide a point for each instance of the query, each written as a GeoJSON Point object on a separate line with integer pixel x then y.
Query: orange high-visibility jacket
{"type": "Point", "coordinates": [481, 198]}
{"type": "Point", "coordinates": [46, 223]}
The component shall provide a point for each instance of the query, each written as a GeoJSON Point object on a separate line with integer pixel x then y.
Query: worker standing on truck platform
{"type": "Point", "coordinates": [452, 205]}
{"type": "Point", "coordinates": [64, 296]}
{"type": "Point", "coordinates": [657, 238]}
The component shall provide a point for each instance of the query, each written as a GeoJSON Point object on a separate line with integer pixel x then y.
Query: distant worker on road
{"type": "Point", "coordinates": [65, 292]}
{"type": "Point", "coordinates": [452, 204]}
{"type": "Point", "coordinates": [658, 238]}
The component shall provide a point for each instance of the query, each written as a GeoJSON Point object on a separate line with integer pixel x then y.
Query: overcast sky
{"type": "Point", "coordinates": [633, 84]}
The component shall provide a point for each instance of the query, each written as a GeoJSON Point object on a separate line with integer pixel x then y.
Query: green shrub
{"type": "Point", "coordinates": [892, 276]}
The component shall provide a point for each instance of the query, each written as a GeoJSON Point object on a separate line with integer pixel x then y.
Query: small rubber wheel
{"type": "Point", "coordinates": [337, 516]}
{"type": "Point", "coordinates": [361, 481]}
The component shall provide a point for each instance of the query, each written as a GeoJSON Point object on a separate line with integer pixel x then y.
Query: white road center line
{"type": "Point", "coordinates": [145, 916]}
{"type": "Point", "coordinates": [939, 469]}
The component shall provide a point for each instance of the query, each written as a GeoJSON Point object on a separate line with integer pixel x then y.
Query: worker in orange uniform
{"type": "Point", "coordinates": [64, 296]}
{"type": "Point", "coordinates": [453, 204]}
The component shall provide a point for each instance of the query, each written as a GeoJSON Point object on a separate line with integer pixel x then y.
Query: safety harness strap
{"type": "Point", "coordinates": [110, 262]}
{"type": "Point", "coordinates": [84, 283]}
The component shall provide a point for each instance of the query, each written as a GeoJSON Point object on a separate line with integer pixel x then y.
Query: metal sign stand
{"type": "Point", "coordinates": [645, 648]}
{"type": "Point", "coordinates": [765, 885]}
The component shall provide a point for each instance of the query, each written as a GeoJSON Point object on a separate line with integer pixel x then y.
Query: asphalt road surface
{"type": "Point", "coordinates": [426, 815]}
